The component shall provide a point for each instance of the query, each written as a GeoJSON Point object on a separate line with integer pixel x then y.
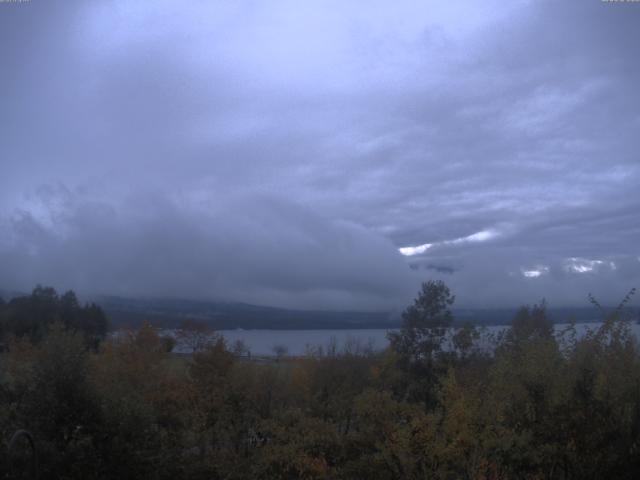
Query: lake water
{"type": "Point", "coordinates": [296, 342]}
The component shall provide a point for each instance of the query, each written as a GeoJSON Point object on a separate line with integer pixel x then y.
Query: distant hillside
{"type": "Point", "coordinates": [169, 313]}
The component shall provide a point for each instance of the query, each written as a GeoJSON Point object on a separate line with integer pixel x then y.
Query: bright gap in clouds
{"type": "Point", "coordinates": [532, 273]}
{"type": "Point", "coordinates": [482, 236]}
{"type": "Point", "coordinates": [417, 250]}
{"type": "Point", "coordinates": [585, 265]}
{"type": "Point", "coordinates": [535, 272]}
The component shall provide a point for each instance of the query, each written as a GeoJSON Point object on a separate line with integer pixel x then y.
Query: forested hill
{"type": "Point", "coordinates": [170, 313]}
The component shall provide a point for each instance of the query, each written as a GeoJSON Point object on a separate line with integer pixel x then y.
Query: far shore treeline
{"type": "Point", "coordinates": [537, 405]}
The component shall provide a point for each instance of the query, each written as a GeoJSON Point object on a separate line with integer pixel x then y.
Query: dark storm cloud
{"type": "Point", "coordinates": [281, 153]}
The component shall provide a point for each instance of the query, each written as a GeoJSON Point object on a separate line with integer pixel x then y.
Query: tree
{"type": "Point", "coordinates": [425, 322]}
{"type": "Point", "coordinates": [418, 345]}
{"type": "Point", "coordinates": [195, 336]}
{"type": "Point", "coordinates": [131, 375]}
{"type": "Point", "coordinates": [61, 407]}
{"type": "Point", "coordinates": [241, 349]}
{"type": "Point", "coordinates": [529, 324]}
{"type": "Point", "coordinates": [31, 316]}
{"type": "Point", "coordinates": [280, 351]}
{"type": "Point", "coordinates": [464, 340]}
{"type": "Point", "coordinates": [168, 343]}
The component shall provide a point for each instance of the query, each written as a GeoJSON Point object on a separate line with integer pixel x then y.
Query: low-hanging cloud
{"type": "Point", "coordinates": [256, 249]}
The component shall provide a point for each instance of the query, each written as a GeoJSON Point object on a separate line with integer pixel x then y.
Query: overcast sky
{"type": "Point", "coordinates": [321, 154]}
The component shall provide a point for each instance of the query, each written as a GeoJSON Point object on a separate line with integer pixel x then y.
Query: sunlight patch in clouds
{"type": "Point", "coordinates": [481, 236]}
{"type": "Point", "coordinates": [535, 272]}
{"type": "Point", "coordinates": [585, 265]}
{"type": "Point", "coordinates": [417, 250]}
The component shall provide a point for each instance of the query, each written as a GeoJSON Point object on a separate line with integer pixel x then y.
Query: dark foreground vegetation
{"type": "Point", "coordinates": [533, 407]}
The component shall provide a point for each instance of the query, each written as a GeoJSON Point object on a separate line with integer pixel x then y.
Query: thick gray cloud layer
{"type": "Point", "coordinates": [282, 152]}
{"type": "Point", "coordinates": [259, 249]}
